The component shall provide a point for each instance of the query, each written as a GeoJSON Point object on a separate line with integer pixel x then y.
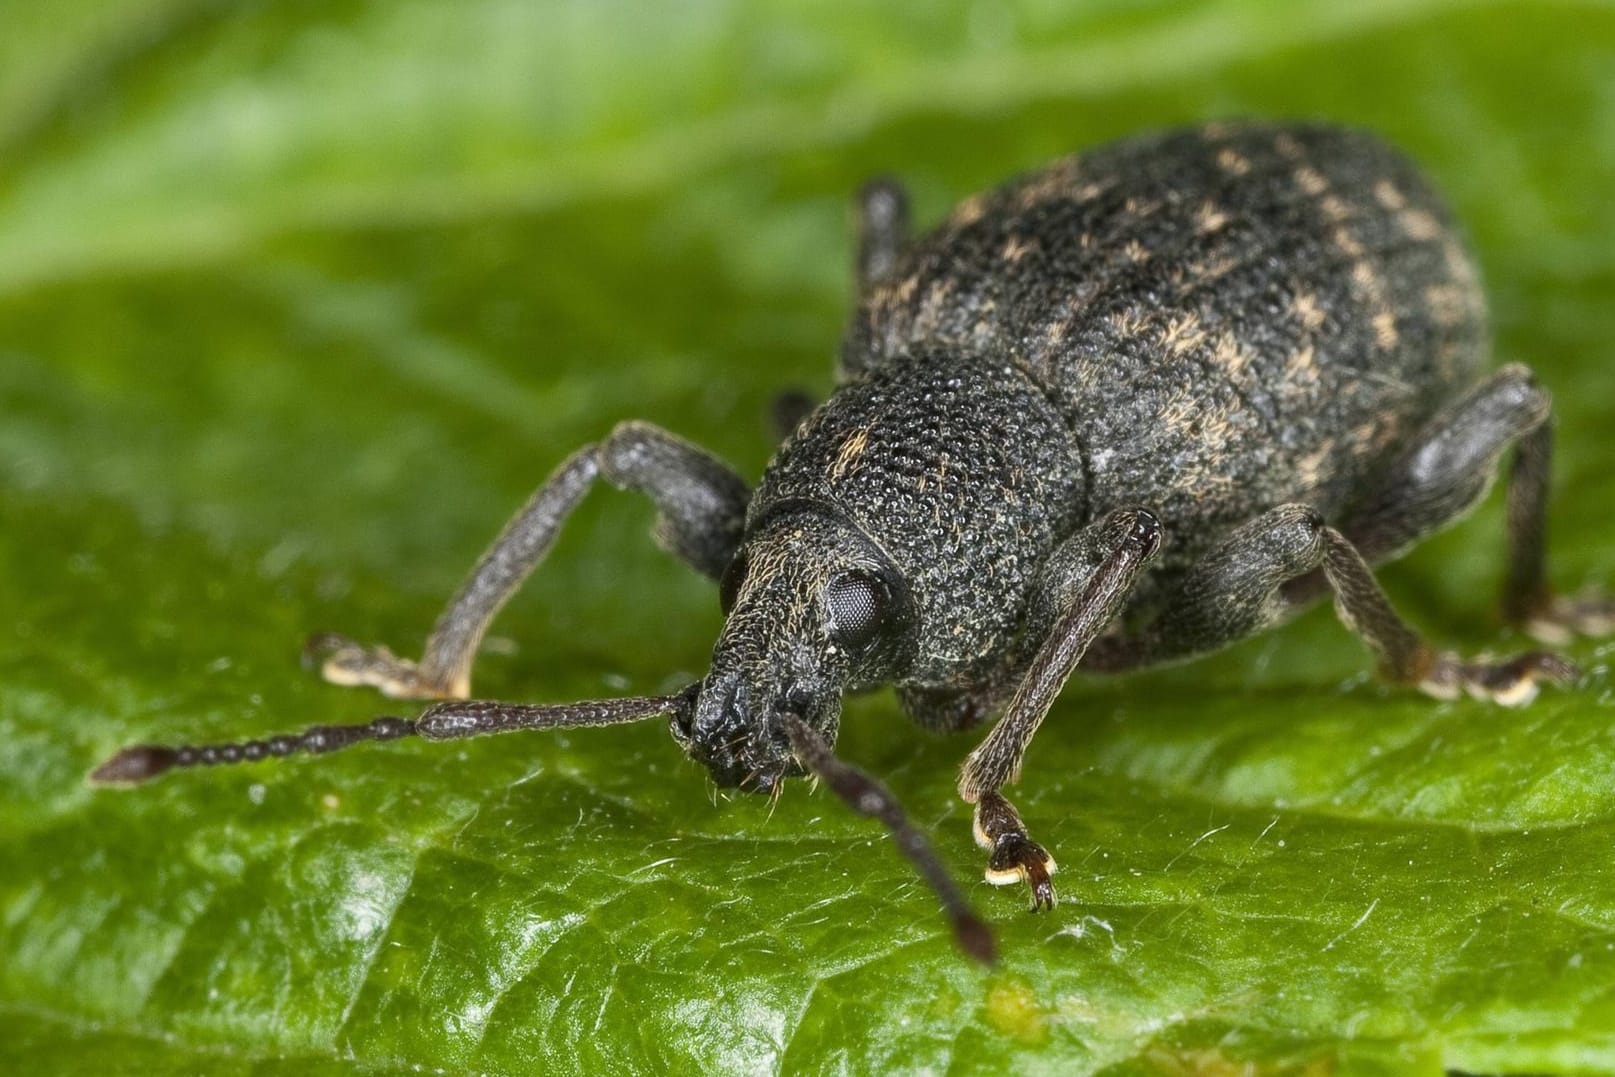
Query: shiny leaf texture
{"type": "Point", "coordinates": [298, 301]}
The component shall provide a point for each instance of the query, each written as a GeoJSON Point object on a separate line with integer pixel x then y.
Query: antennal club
{"type": "Point", "coordinates": [867, 796]}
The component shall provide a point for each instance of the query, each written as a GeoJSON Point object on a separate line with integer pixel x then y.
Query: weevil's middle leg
{"type": "Point", "coordinates": [701, 507]}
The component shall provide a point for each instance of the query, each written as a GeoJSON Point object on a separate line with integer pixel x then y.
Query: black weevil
{"type": "Point", "coordinates": [1122, 411]}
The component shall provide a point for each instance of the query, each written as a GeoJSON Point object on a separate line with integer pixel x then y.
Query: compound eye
{"type": "Point", "coordinates": [733, 578]}
{"type": "Point", "coordinates": [857, 603]}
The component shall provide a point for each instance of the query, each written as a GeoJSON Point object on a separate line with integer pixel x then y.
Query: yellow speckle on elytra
{"type": "Point", "coordinates": [1209, 218]}
{"type": "Point", "coordinates": [1448, 303]}
{"type": "Point", "coordinates": [1125, 323]}
{"type": "Point", "coordinates": [1458, 266]}
{"type": "Point", "coordinates": [1229, 355]}
{"type": "Point", "coordinates": [1012, 1009]}
{"type": "Point", "coordinates": [934, 306]}
{"type": "Point", "coordinates": [1420, 225]}
{"type": "Point", "coordinates": [1205, 272]}
{"type": "Point", "coordinates": [1308, 312]}
{"type": "Point", "coordinates": [1363, 275]}
{"type": "Point", "coordinates": [1015, 248]}
{"type": "Point", "coordinates": [1310, 467]}
{"type": "Point", "coordinates": [1310, 180]}
{"type": "Point", "coordinates": [1302, 365]}
{"type": "Point", "coordinates": [1056, 181]}
{"type": "Point", "coordinates": [1091, 190]}
{"type": "Point", "coordinates": [1183, 335]}
{"type": "Point", "coordinates": [1385, 334]}
{"type": "Point", "coordinates": [969, 212]}
{"type": "Point", "coordinates": [1347, 242]}
{"type": "Point", "coordinates": [1232, 161]}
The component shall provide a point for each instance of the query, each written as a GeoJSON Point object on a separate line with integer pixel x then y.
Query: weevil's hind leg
{"type": "Point", "coordinates": [1240, 587]}
{"type": "Point", "coordinates": [1407, 659]}
{"type": "Point", "coordinates": [701, 507]}
{"type": "Point", "coordinates": [1084, 586]}
{"type": "Point", "coordinates": [1528, 600]}
{"type": "Point", "coordinates": [1451, 466]}
{"type": "Point", "coordinates": [883, 229]}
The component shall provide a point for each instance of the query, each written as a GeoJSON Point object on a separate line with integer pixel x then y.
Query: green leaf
{"type": "Point", "coordinates": [299, 301]}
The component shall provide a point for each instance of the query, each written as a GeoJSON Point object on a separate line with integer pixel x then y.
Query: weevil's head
{"type": "Point", "coordinates": [813, 608]}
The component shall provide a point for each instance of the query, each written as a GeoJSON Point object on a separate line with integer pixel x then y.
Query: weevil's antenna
{"type": "Point", "coordinates": [866, 796]}
{"type": "Point", "coordinates": [443, 721]}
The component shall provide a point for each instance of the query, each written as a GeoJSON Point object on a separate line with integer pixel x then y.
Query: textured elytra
{"type": "Point", "coordinates": [1227, 317]}
{"type": "Point", "coordinates": [1208, 322]}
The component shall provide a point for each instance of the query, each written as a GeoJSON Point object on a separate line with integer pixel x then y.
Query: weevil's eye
{"type": "Point", "coordinates": [857, 603]}
{"type": "Point", "coordinates": [733, 577]}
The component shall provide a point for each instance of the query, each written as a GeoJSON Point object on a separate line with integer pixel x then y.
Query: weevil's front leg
{"type": "Point", "coordinates": [1084, 586]}
{"type": "Point", "coordinates": [1012, 856]}
{"type": "Point", "coordinates": [701, 508]}
{"type": "Point", "coordinates": [1241, 586]}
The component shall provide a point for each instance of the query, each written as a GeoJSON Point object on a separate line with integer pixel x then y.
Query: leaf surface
{"type": "Point", "coordinates": [299, 301]}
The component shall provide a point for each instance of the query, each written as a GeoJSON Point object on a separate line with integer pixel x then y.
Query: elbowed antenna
{"type": "Point", "coordinates": [866, 796]}
{"type": "Point", "coordinates": [443, 721]}
{"type": "Point", "coordinates": [471, 718]}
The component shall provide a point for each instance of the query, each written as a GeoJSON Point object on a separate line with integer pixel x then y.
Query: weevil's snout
{"type": "Point", "coordinates": [736, 730]}
{"type": "Point", "coordinates": [811, 607]}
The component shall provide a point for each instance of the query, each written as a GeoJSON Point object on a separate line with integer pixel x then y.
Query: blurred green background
{"type": "Point", "coordinates": [299, 300]}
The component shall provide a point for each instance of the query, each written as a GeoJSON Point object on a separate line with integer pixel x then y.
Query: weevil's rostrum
{"type": "Point", "coordinates": [1124, 410]}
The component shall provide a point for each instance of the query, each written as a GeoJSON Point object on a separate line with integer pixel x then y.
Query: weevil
{"type": "Point", "coordinates": [1122, 411]}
